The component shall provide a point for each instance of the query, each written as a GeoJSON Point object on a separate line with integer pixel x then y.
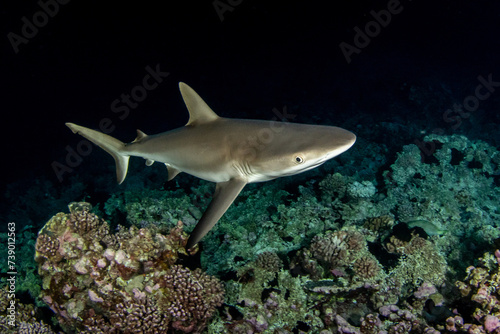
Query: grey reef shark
{"type": "Point", "coordinates": [221, 150]}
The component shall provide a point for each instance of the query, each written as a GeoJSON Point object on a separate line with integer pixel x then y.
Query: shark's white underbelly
{"type": "Point", "coordinates": [211, 175]}
{"type": "Point", "coordinates": [224, 172]}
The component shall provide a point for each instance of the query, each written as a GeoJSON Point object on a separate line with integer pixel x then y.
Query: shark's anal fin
{"type": "Point", "coordinates": [225, 193]}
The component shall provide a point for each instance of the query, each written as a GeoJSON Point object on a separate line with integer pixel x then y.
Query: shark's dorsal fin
{"type": "Point", "coordinates": [140, 136]}
{"type": "Point", "coordinates": [199, 111]}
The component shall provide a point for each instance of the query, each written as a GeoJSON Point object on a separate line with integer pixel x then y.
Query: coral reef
{"type": "Point", "coordinates": [361, 189]}
{"type": "Point", "coordinates": [269, 261]}
{"type": "Point", "coordinates": [480, 289]}
{"type": "Point", "coordinates": [452, 185]}
{"type": "Point", "coordinates": [347, 252]}
{"type": "Point", "coordinates": [17, 317]}
{"type": "Point", "coordinates": [192, 296]}
{"type": "Point", "coordinates": [127, 282]}
{"type": "Point", "coordinates": [268, 302]}
{"type": "Point", "coordinates": [453, 191]}
{"type": "Point", "coordinates": [153, 207]}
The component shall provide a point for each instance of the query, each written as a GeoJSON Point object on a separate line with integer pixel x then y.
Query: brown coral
{"type": "Point", "coordinates": [398, 246]}
{"type": "Point", "coordinates": [139, 316]}
{"type": "Point", "coordinates": [376, 224]}
{"type": "Point", "coordinates": [83, 220]}
{"type": "Point", "coordinates": [366, 267]}
{"type": "Point", "coordinates": [355, 241]}
{"type": "Point", "coordinates": [330, 248]}
{"type": "Point", "coordinates": [46, 245]}
{"type": "Point", "coordinates": [269, 261]}
{"type": "Point", "coordinates": [337, 247]}
{"type": "Point", "coordinates": [193, 297]}
{"type": "Point", "coordinates": [22, 319]}
{"type": "Point", "coordinates": [395, 245]}
{"type": "Point", "coordinates": [34, 328]}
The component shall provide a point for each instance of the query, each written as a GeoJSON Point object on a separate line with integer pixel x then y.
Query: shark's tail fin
{"type": "Point", "coordinates": [109, 144]}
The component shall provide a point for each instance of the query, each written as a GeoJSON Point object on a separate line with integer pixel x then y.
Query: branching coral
{"type": "Point", "coordinates": [341, 249]}
{"type": "Point", "coordinates": [193, 297]}
{"type": "Point", "coordinates": [16, 317]}
{"type": "Point", "coordinates": [366, 267]}
{"type": "Point", "coordinates": [135, 317]}
{"type": "Point", "coordinates": [332, 248]}
{"type": "Point", "coordinates": [269, 261]}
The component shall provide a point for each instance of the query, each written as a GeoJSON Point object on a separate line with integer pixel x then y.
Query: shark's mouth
{"type": "Point", "coordinates": [294, 171]}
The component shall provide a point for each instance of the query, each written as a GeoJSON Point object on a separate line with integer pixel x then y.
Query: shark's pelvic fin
{"type": "Point", "coordinates": [109, 144]}
{"type": "Point", "coordinates": [225, 193]}
{"type": "Point", "coordinates": [199, 111]}
{"type": "Point", "coordinates": [172, 172]}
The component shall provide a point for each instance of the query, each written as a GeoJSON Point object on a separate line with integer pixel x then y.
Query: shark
{"type": "Point", "coordinates": [230, 152]}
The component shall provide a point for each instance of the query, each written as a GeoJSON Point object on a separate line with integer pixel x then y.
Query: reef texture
{"type": "Point", "coordinates": [19, 318]}
{"type": "Point", "coordinates": [126, 282]}
{"type": "Point", "coordinates": [345, 252]}
{"type": "Point", "coordinates": [480, 291]}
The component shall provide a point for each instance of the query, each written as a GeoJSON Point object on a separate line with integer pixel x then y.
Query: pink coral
{"type": "Point", "coordinates": [491, 323]}
{"type": "Point", "coordinates": [425, 290]}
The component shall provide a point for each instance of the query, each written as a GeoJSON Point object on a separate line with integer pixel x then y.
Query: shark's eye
{"type": "Point", "coordinates": [298, 159]}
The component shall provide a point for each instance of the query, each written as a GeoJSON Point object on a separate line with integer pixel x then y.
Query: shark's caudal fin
{"type": "Point", "coordinates": [109, 144]}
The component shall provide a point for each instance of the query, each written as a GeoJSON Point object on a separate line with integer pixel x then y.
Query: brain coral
{"type": "Point", "coordinates": [126, 282]}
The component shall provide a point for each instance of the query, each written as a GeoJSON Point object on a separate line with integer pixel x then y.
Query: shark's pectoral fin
{"type": "Point", "coordinates": [225, 193]}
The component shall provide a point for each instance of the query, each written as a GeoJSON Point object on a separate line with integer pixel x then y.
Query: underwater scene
{"type": "Point", "coordinates": [243, 166]}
